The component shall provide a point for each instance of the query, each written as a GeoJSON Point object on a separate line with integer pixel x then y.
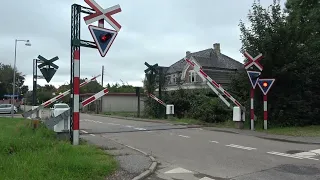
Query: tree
{"type": "Point", "coordinates": [290, 56]}
{"type": "Point", "coordinates": [6, 79]}
{"type": "Point", "coordinates": [92, 87]}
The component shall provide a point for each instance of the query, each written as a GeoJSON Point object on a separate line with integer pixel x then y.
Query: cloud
{"type": "Point", "coordinates": [152, 31]}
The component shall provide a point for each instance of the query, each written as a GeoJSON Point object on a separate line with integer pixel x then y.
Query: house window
{"type": "Point", "coordinates": [174, 77]}
{"type": "Point", "coordinates": [192, 76]}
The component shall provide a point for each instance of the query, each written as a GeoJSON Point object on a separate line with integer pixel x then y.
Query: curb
{"type": "Point", "coordinates": [151, 168]}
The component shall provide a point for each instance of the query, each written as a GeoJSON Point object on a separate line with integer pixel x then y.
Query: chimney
{"type": "Point", "coordinates": [188, 53]}
{"type": "Point", "coordinates": [216, 48]}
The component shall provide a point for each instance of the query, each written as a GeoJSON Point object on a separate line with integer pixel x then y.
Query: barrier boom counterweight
{"type": "Point", "coordinates": [200, 72]}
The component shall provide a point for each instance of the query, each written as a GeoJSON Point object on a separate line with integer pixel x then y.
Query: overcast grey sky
{"type": "Point", "coordinates": [153, 31]}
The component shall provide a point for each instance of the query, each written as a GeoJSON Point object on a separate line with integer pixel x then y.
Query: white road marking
{"type": "Point", "coordinates": [149, 131]}
{"type": "Point", "coordinates": [84, 131]}
{"type": "Point", "coordinates": [129, 126]}
{"type": "Point", "coordinates": [285, 155]}
{"type": "Point", "coordinates": [241, 147]}
{"type": "Point", "coordinates": [291, 155]}
{"type": "Point", "coordinates": [214, 141]}
{"type": "Point", "coordinates": [306, 154]}
{"type": "Point", "coordinates": [92, 135]}
{"type": "Point", "coordinates": [317, 151]}
{"type": "Point", "coordinates": [140, 129]}
{"type": "Point", "coordinates": [99, 122]}
{"type": "Point", "coordinates": [206, 178]}
{"type": "Point", "coordinates": [113, 124]}
{"type": "Point", "coordinates": [184, 136]}
{"type": "Point", "coordinates": [178, 171]}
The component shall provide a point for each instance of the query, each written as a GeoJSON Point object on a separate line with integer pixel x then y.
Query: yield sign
{"type": "Point", "coordinates": [265, 85]}
{"type": "Point", "coordinates": [103, 38]}
{"type": "Point", "coordinates": [253, 77]}
{"type": "Point", "coordinates": [48, 73]}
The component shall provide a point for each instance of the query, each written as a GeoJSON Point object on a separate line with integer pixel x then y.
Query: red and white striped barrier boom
{"type": "Point", "coordinates": [54, 99]}
{"type": "Point", "coordinates": [55, 120]}
{"type": "Point", "coordinates": [200, 72]}
{"type": "Point", "coordinates": [157, 99]}
{"type": "Point", "coordinates": [94, 97]}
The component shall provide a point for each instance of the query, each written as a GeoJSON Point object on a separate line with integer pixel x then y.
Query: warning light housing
{"type": "Point", "coordinates": [265, 84]}
{"type": "Point", "coordinates": [105, 37]}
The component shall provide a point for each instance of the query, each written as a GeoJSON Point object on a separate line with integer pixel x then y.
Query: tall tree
{"type": "Point", "coordinates": [6, 80]}
{"type": "Point", "coordinates": [290, 56]}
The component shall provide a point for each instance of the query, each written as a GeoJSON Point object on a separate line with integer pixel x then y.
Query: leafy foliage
{"type": "Point", "coordinates": [6, 80]}
{"type": "Point", "coordinates": [289, 42]}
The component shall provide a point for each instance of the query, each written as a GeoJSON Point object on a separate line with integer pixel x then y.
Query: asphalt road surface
{"type": "Point", "coordinates": [197, 154]}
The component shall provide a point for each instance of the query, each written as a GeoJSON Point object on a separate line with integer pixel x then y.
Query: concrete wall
{"type": "Point", "coordinates": [121, 103]}
{"type": "Point", "coordinates": [116, 102]}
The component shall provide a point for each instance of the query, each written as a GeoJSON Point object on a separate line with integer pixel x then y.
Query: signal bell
{"type": "Point", "coordinates": [105, 37]}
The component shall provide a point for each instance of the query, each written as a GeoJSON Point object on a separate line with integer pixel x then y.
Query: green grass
{"type": "Point", "coordinates": [37, 154]}
{"type": "Point", "coordinates": [309, 131]}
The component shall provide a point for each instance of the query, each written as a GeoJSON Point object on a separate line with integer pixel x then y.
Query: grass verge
{"type": "Point", "coordinates": [37, 155]}
{"type": "Point", "coordinates": [307, 131]}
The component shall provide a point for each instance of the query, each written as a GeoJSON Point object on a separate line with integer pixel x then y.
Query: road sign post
{"type": "Point", "coordinates": [253, 77]}
{"type": "Point", "coordinates": [151, 72]}
{"type": "Point", "coordinates": [103, 39]}
{"type": "Point", "coordinates": [265, 85]}
{"type": "Point", "coordinates": [47, 67]}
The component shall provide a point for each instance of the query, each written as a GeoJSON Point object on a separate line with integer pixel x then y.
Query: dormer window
{"type": "Point", "coordinates": [192, 76]}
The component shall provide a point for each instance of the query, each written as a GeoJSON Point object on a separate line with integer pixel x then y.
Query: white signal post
{"type": "Point", "coordinates": [253, 80]}
{"type": "Point", "coordinates": [253, 77]}
{"type": "Point", "coordinates": [265, 85]}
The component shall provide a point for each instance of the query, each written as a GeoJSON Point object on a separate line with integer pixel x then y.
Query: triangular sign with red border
{"type": "Point", "coordinates": [265, 85]}
{"type": "Point", "coordinates": [253, 77]}
{"type": "Point", "coordinates": [103, 44]}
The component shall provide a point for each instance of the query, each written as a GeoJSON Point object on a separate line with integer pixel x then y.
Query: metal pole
{"type": "Point", "coordinates": [138, 93]}
{"type": "Point", "coordinates": [102, 75]}
{"type": "Point", "coordinates": [252, 108]}
{"type": "Point", "coordinates": [160, 91]}
{"type": "Point", "coordinates": [14, 78]}
{"type": "Point", "coordinates": [34, 90]}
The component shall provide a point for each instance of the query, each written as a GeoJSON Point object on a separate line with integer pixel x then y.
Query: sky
{"type": "Point", "coordinates": [152, 31]}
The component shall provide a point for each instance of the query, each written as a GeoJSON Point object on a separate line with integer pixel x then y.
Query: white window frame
{"type": "Point", "coordinates": [192, 74]}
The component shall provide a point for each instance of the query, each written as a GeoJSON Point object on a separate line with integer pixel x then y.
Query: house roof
{"type": "Point", "coordinates": [208, 58]}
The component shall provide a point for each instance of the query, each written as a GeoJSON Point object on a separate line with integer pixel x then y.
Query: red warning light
{"type": "Point", "coordinates": [105, 37]}
{"type": "Point", "coordinates": [265, 84]}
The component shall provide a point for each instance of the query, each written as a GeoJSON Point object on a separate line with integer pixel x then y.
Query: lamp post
{"type": "Point", "coordinates": [14, 72]}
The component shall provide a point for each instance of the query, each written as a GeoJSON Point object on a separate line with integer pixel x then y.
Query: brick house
{"type": "Point", "coordinates": [218, 66]}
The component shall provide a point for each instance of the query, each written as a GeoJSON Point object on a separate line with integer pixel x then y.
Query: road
{"type": "Point", "coordinates": [197, 154]}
